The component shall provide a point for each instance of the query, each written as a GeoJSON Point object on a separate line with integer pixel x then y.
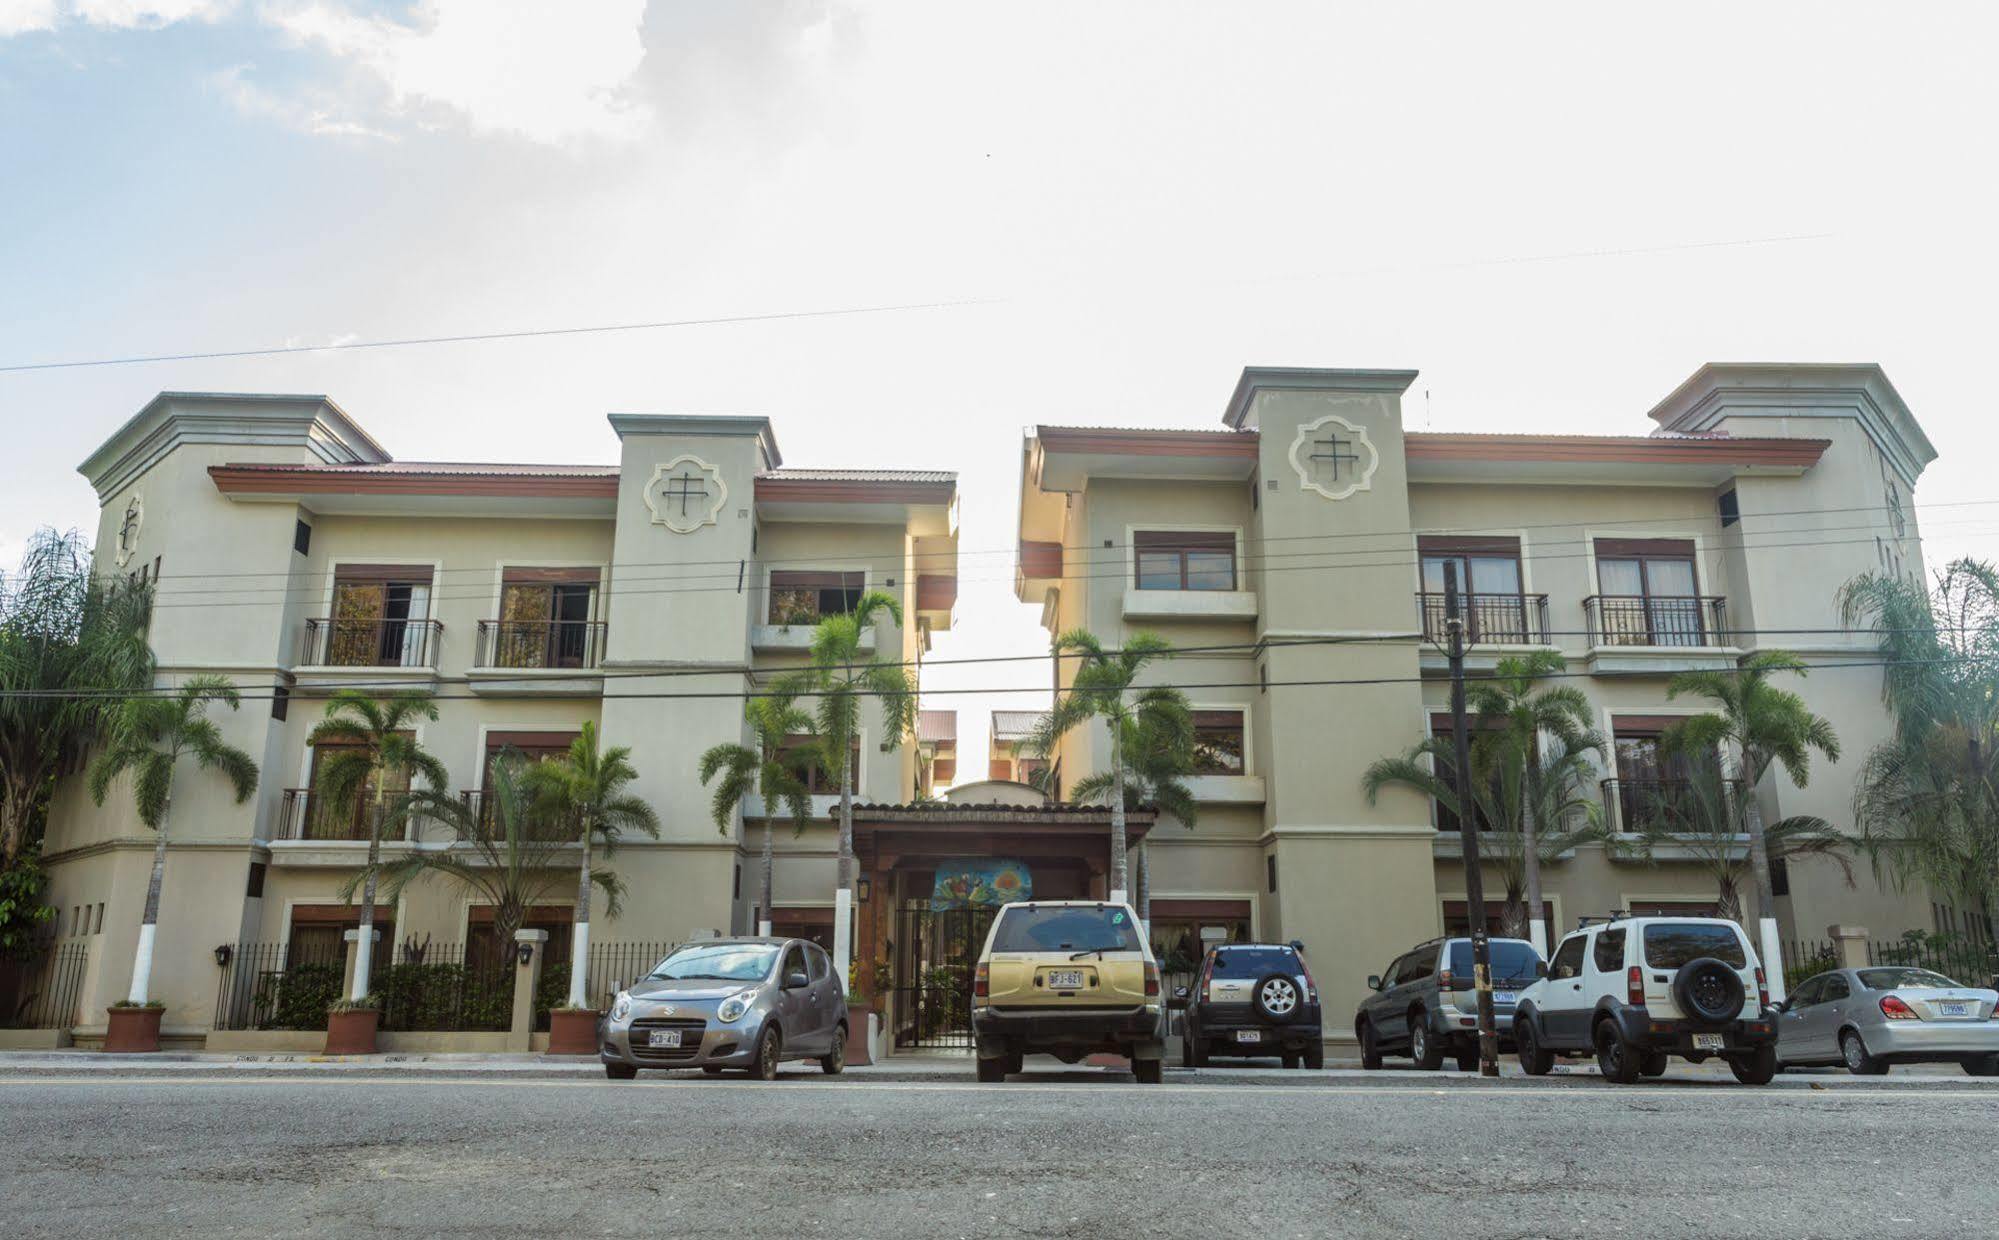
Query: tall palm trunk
{"type": "Point", "coordinates": [1119, 888]}
{"type": "Point", "coordinates": [765, 863]}
{"type": "Point", "coordinates": [579, 943]}
{"type": "Point", "coordinates": [364, 945]}
{"type": "Point", "coordinates": [1144, 886]}
{"type": "Point", "coordinates": [1728, 898]}
{"type": "Point", "coordinates": [843, 896]}
{"type": "Point", "coordinates": [1768, 944]}
{"type": "Point", "coordinates": [142, 960]}
{"type": "Point", "coordinates": [1537, 925]}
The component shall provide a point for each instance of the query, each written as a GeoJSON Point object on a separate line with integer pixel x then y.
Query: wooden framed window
{"type": "Point", "coordinates": [821, 782]}
{"type": "Point", "coordinates": [1654, 786]}
{"type": "Point", "coordinates": [808, 597]}
{"type": "Point", "coordinates": [546, 618]}
{"type": "Point", "coordinates": [1648, 592]}
{"type": "Point", "coordinates": [1440, 726]}
{"type": "Point", "coordinates": [1218, 742]}
{"type": "Point", "coordinates": [381, 616]}
{"type": "Point", "coordinates": [1183, 560]}
{"type": "Point", "coordinates": [324, 820]}
{"type": "Point", "coordinates": [1490, 592]}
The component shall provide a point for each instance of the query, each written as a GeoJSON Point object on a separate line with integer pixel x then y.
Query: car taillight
{"type": "Point", "coordinates": [982, 982]}
{"type": "Point", "coordinates": [1634, 986]}
{"type": "Point", "coordinates": [1894, 1009]}
{"type": "Point", "coordinates": [1444, 978]}
{"type": "Point", "coordinates": [1151, 981]}
{"type": "Point", "coordinates": [1311, 987]}
{"type": "Point", "coordinates": [1762, 989]}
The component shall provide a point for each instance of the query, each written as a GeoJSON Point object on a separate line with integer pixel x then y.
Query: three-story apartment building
{"type": "Point", "coordinates": [1296, 556]}
{"type": "Point", "coordinates": [292, 555]}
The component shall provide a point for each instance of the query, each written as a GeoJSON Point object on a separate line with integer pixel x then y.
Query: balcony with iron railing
{"type": "Point", "coordinates": [1635, 806]}
{"type": "Point", "coordinates": [539, 826]}
{"type": "Point", "coordinates": [1655, 621]}
{"type": "Point", "coordinates": [534, 645]}
{"type": "Point", "coordinates": [304, 814]}
{"type": "Point", "coordinates": [1490, 619]}
{"type": "Point", "coordinates": [370, 643]}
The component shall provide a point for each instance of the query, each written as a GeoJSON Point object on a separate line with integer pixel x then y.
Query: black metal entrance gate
{"type": "Point", "coordinates": [936, 951]}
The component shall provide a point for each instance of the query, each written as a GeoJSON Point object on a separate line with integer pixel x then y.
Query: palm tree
{"type": "Point", "coordinates": [1512, 784]}
{"type": "Point", "coordinates": [586, 787]}
{"type": "Point", "coordinates": [513, 855]}
{"type": "Point", "coordinates": [1710, 820]}
{"type": "Point", "coordinates": [1513, 709]}
{"type": "Point", "coordinates": [369, 742]}
{"type": "Point", "coordinates": [1158, 750]}
{"type": "Point", "coordinates": [149, 735]}
{"type": "Point", "coordinates": [1761, 724]}
{"type": "Point", "coordinates": [1104, 687]}
{"type": "Point", "coordinates": [840, 675]}
{"type": "Point", "coordinates": [1927, 799]}
{"type": "Point", "coordinates": [768, 768]}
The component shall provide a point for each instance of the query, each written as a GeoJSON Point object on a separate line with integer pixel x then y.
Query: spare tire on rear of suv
{"type": "Point", "coordinates": [1709, 991]}
{"type": "Point", "coordinates": [1278, 998]}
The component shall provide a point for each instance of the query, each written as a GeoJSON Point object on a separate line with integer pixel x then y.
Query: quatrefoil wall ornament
{"type": "Point", "coordinates": [685, 493]}
{"type": "Point", "coordinates": [1334, 457]}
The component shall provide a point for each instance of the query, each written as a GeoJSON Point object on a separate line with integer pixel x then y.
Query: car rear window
{"type": "Point", "coordinates": [1905, 979]}
{"type": "Point", "coordinates": [1512, 961]}
{"type": "Point", "coordinates": [1254, 962]}
{"type": "Point", "coordinates": [1670, 944]}
{"type": "Point", "coordinates": [1085, 928]}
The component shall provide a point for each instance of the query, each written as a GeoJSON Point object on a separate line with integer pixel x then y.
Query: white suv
{"type": "Point", "coordinates": [1635, 990]}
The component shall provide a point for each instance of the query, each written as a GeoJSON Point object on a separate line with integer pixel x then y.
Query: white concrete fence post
{"type": "Point", "coordinates": [527, 972]}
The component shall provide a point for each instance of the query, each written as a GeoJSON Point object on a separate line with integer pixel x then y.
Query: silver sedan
{"type": "Point", "coordinates": [729, 1003]}
{"type": "Point", "coordinates": [1869, 1019]}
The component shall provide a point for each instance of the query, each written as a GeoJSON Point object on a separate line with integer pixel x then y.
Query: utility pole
{"type": "Point", "coordinates": [1481, 945]}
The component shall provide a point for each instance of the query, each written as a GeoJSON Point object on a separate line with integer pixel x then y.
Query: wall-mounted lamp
{"type": "Point", "coordinates": [527, 953]}
{"type": "Point", "coordinates": [223, 955]}
{"type": "Point", "coordinates": [863, 889]}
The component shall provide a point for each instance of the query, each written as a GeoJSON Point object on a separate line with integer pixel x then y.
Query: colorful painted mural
{"type": "Point", "coordinates": [981, 882]}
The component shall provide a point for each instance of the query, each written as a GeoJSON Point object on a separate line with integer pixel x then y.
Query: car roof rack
{"type": "Point", "coordinates": [1591, 919]}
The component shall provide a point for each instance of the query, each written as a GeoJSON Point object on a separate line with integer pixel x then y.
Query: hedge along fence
{"type": "Point", "coordinates": [433, 987]}
{"type": "Point", "coordinates": [1804, 959]}
{"type": "Point", "coordinates": [279, 986]}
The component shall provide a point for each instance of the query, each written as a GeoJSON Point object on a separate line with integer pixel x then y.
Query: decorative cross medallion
{"type": "Point", "coordinates": [684, 488]}
{"type": "Point", "coordinates": [1333, 457]}
{"type": "Point", "coordinates": [685, 493]}
{"type": "Point", "coordinates": [128, 529]}
{"type": "Point", "coordinates": [1333, 450]}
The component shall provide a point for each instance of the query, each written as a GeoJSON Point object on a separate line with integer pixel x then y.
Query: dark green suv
{"type": "Point", "coordinates": [1423, 1004]}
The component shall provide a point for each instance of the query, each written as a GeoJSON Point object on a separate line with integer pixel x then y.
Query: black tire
{"type": "Point", "coordinates": [1708, 991]}
{"type": "Point", "coordinates": [834, 1062]}
{"type": "Point", "coordinates": [1424, 1047]}
{"type": "Point", "coordinates": [992, 1071]}
{"type": "Point", "coordinates": [1535, 1059]}
{"type": "Point", "coordinates": [1758, 1067]}
{"type": "Point", "coordinates": [1653, 1063]}
{"type": "Point", "coordinates": [1617, 1059]}
{"type": "Point", "coordinates": [770, 1047]}
{"type": "Point", "coordinates": [1291, 1060]}
{"type": "Point", "coordinates": [1853, 1052]}
{"type": "Point", "coordinates": [1278, 998]}
{"type": "Point", "coordinates": [1148, 1071]}
{"type": "Point", "coordinates": [620, 1071]}
{"type": "Point", "coordinates": [1014, 1062]}
{"type": "Point", "coordinates": [1467, 1057]}
{"type": "Point", "coordinates": [1315, 1056]}
{"type": "Point", "coordinates": [1982, 1065]}
{"type": "Point", "coordinates": [1370, 1049]}
{"type": "Point", "coordinates": [1191, 1053]}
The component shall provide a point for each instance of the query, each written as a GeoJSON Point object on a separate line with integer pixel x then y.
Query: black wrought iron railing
{"type": "Point", "coordinates": [538, 824]}
{"type": "Point", "coordinates": [1967, 961]}
{"type": "Point", "coordinates": [1636, 620]}
{"type": "Point", "coordinates": [439, 986]}
{"type": "Point", "coordinates": [530, 644]}
{"type": "Point", "coordinates": [47, 986]}
{"type": "Point", "coordinates": [337, 642]}
{"type": "Point", "coordinates": [1491, 619]}
{"type": "Point", "coordinates": [307, 815]}
{"type": "Point", "coordinates": [279, 986]}
{"type": "Point", "coordinates": [615, 966]}
{"type": "Point", "coordinates": [1634, 805]}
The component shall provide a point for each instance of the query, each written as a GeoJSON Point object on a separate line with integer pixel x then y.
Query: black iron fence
{"type": "Point", "coordinates": [429, 987]}
{"type": "Point", "coordinates": [48, 984]}
{"type": "Point", "coordinates": [540, 643]}
{"type": "Point", "coordinates": [937, 950]}
{"type": "Point", "coordinates": [614, 966]}
{"type": "Point", "coordinates": [1637, 620]}
{"type": "Point", "coordinates": [1973, 962]}
{"type": "Point", "coordinates": [339, 642]}
{"type": "Point", "coordinates": [280, 986]}
{"type": "Point", "coordinates": [1491, 619]}
{"type": "Point", "coordinates": [1805, 958]}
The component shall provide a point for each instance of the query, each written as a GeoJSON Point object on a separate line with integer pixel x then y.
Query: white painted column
{"type": "Point", "coordinates": [142, 964]}
{"type": "Point", "coordinates": [1772, 952]}
{"type": "Point", "coordinates": [579, 964]}
{"type": "Point", "coordinates": [1537, 932]}
{"type": "Point", "coordinates": [843, 933]}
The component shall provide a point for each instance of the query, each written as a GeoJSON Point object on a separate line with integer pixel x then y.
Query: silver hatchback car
{"type": "Point", "coordinates": [1869, 1019]}
{"type": "Point", "coordinates": [747, 1003]}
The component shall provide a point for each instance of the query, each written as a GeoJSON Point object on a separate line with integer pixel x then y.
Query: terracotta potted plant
{"type": "Point", "coordinates": [572, 1030]}
{"type": "Point", "coordinates": [350, 1026]}
{"type": "Point", "coordinates": [133, 1028]}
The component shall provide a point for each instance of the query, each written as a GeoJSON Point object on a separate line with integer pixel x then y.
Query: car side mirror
{"type": "Point", "coordinates": [1179, 1000]}
{"type": "Point", "coordinates": [796, 980]}
{"type": "Point", "coordinates": [1540, 968]}
{"type": "Point", "coordinates": [1374, 981]}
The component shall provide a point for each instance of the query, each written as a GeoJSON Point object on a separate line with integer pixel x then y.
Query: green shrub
{"type": "Point", "coordinates": [299, 997]}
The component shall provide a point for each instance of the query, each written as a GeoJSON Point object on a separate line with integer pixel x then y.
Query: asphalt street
{"type": "Point", "coordinates": [1046, 1154]}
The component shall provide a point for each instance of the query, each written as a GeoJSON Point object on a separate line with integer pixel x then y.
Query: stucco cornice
{"type": "Point", "coordinates": [707, 425]}
{"type": "Point", "coordinates": [1721, 391]}
{"type": "Point", "coordinates": [1308, 379]}
{"type": "Point", "coordinates": [171, 419]}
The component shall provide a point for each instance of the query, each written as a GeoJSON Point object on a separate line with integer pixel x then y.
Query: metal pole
{"type": "Point", "coordinates": [1481, 945]}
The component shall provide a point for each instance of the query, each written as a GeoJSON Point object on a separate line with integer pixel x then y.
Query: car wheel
{"type": "Point", "coordinates": [1423, 1046]}
{"type": "Point", "coordinates": [764, 1066]}
{"type": "Point", "coordinates": [1653, 1063]}
{"type": "Point", "coordinates": [992, 1071]}
{"type": "Point", "coordinates": [1467, 1057]}
{"type": "Point", "coordinates": [1315, 1056]}
{"type": "Point", "coordinates": [834, 1061]}
{"type": "Point", "coordinates": [1759, 1067]}
{"type": "Point", "coordinates": [1278, 998]}
{"type": "Point", "coordinates": [620, 1071]}
{"type": "Point", "coordinates": [1858, 1061]}
{"type": "Point", "coordinates": [1370, 1050]}
{"type": "Point", "coordinates": [1291, 1060]}
{"type": "Point", "coordinates": [1534, 1060]}
{"type": "Point", "coordinates": [1615, 1058]}
{"type": "Point", "coordinates": [1148, 1071]}
{"type": "Point", "coordinates": [1190, 1052]}
{"type": "Point", "coordinates": [1014, 1061]}
{"type": "Point", "coordinates": [1982, 1065]}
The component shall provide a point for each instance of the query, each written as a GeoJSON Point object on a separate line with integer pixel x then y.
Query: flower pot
{"type": "Point", "coordinates": [352, 1032]}
{"type": "Point", "coordinates": [132, 1030]}
{"type": "Point", "coordinates": [857, 1033]}
{"type": "Point", "coordinates": [572, 1032]}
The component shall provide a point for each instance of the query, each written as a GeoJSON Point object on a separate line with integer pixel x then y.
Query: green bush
{"type": "Point", "coordinates": [299, 997]}
{"type": "Point", "coordinates": [446, 997]}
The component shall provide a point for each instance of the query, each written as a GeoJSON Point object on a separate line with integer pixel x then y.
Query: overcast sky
{"type": "Point", "coordinates": [1554, 212]}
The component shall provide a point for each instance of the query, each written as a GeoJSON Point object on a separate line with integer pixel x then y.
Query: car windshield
{"type": "Point", "coordinates": [1905, 979]}
{"type": "Point", "coordinates": [1103, 927]}
{"type": "Point", "coordinates": [1671, 944]}
{"type": "Point", "coordinates": [724, 962]}
{"type": "Point", "coordinates": [1252, 962]}
{"type": "Point", "coordinates": [1512, 960]}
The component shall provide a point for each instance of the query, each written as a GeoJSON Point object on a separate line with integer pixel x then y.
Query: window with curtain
{"type": "Point", "coordinates": [1218, 742]}
{"type": "Point", "coordinates": [1176, 560]}
{"type": "Point", "coordinates": [808, 597]}
{"type": "Point", "coordinates": [324, 820]}
{"type": "Point", "coordinates": [1489, 586]}
{"type": "Point", "coordinates": [380, 616]}
{"type": "Point", "coordinates": [546, 618]}
{"type": "Point", "coordinates": [1648, 593]}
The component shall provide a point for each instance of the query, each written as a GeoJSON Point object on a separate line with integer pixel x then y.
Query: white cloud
{"type": "Point", "coordinates": [547, 72]}
{"type": "Point", "coordinates": [21, 16]}
{"type": "Point", "coordinates": [150, 14]}
{"type": "Point", "coordinates": [321, 117]}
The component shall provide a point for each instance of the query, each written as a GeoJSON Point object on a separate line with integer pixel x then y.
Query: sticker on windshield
{"type": "Point", "coordinates": [1117, 919]}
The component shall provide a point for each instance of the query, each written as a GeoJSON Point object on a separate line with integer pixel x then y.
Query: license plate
{"type": "Point", "coordinates": [1066, 979]}
{"type": "Point", "coordinates": [1954, 1009]}
{"type": "Point", "coordinates": [1249, 1035]}
{"type": "Point", "coordinates": [1709, 1042]}
{"type": "Point", "coordinates": [1503, 996]}
{"type": "Point", "coordinates": [663, 1037]}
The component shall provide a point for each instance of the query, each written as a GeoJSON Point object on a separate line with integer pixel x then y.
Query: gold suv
{"type": "Point", "coordinates": [1067, 978]}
